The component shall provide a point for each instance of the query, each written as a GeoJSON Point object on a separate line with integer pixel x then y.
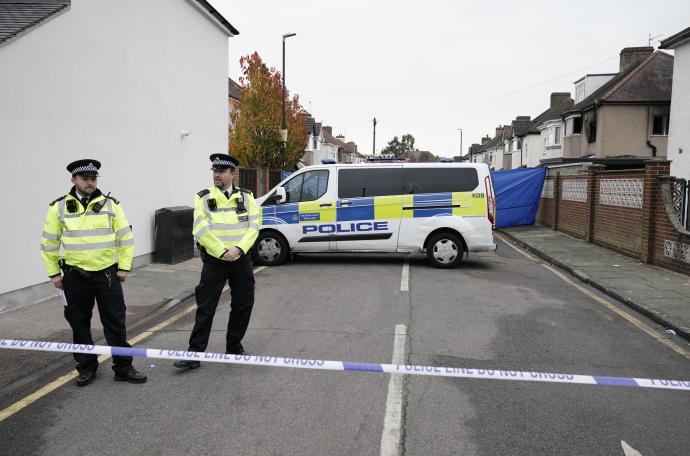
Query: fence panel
{"type": "Point", "coordinates": [274, 178]}
{"type": "Point", "coordinates": [248, 179]}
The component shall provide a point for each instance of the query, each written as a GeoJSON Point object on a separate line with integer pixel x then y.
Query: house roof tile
{"type": "Point", "coordinates": [234, 89]}
{"type": "Point", "coordinates": [550, 114]}
{"type": "Point", "coordinates": [647, 82]}
{"type": "Point", "coordinates": [679, 38]}
{"type": "Point", "coordinates": [18, 17]}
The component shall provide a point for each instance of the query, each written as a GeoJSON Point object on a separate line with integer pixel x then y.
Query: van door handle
{"type": "Point", "coordinates": [346, 203]}
{"type": "Point", "coordinates": [325, 205]}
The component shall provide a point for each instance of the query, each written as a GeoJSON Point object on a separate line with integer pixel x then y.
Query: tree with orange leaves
{"type": "Point", "coordinates": [255, 140]}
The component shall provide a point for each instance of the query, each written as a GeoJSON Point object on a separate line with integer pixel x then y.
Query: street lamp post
{"type": "Point", "coordinates": [283, 126]}
{"type": "Point", "coordinates": [460, 140]}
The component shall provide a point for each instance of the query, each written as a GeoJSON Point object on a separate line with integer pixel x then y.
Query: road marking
{"type": "Point", "coordinates": [392, 422]}
{"type": "Point", "coordinates": [613, 308]}
{"type": "Point", "coordinates": [628, 450]}
{"type": "Point", "coordinates": [55, 384]}
{"type": "Point", "coordinates": [405, 278]}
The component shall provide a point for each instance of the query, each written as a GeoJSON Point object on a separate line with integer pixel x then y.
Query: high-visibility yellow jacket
{"type": "Point", "coordinates": [91, 240]}
{"type": "Point", "coordinates": [220, 223]}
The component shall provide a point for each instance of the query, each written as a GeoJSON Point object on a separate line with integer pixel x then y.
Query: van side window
{"type": "Point", "coordinates": [439, 180]}
{"type": "Point", "coordinates": [307, 186]}
{"type": "Point", "coordinates": [356, 183]}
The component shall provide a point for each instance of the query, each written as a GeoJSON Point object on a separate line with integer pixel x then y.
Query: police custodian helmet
{"type": "Point", "coordinates": [85, 167]}
{"type": "Point", "coordinates": [223, 161]}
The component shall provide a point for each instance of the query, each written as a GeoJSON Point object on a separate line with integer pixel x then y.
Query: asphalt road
{"type": "Point", "coordinates": [497, 311]}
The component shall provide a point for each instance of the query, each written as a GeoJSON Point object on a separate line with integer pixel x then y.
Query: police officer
{"type": "Point", "coordinates": [226, 224]}
{"type": "Point", "coordinates": [97, 243]}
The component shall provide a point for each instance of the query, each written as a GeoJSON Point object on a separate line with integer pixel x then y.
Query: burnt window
{"type": "Point", "coordinates": [577, 125]}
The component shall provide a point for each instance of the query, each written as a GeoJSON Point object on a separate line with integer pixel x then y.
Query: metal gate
{"type": "Point", "coordinates": [248, 179]}
{"type": "Point", "coordinates": [274, 178]}
{"type": "Point", "coordinates": [681, 205]}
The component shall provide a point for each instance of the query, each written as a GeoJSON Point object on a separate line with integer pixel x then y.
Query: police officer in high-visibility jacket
{"type": "Point", "coordinates": [226, 224]}
{"type": "Point", "coordinates": [97, 245]}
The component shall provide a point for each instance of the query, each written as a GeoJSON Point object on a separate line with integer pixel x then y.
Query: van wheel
{"type": "Point", "coordinates": [444, 250]}
{"type": "Point", "coordinates": [270, 249]}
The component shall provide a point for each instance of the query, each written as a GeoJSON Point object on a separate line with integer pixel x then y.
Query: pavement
{"type": "Point", "coordinates": [660, 294]}
{"type": "Point", "coordinates": [151, 292]}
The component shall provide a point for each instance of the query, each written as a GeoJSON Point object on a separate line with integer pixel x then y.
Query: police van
{"type": "Point", "coordinates": [442, 209]}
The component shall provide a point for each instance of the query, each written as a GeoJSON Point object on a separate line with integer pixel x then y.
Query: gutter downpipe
{"type": "Point", "coordinates": [649, 143]}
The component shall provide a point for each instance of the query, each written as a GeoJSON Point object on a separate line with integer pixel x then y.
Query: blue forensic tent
{"type": "Point", "coordinates": [518, 192]}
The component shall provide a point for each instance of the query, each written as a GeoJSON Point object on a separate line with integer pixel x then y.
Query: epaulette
{"type": "Point", "coordinates": [244, 190]}
{"type": "Point", "coordinates": [58, 199]}
{"type": "Point", "coordinates": [114, 200]}
{"type": "Point", "coordinates": [203, 192]}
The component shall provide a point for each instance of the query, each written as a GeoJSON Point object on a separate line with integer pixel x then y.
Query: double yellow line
{"type": "Point", "coordinates": [57, 383]}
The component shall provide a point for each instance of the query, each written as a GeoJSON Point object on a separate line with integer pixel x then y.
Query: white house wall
{"type": "Point", "coordinates": [533, 150]}
{"type": "Point", "coordinates": [679, 131]}
{"type": "Point", "coordinates": [114, 81]}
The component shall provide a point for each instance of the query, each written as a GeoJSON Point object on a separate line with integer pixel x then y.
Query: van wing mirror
{"type": "Point", "coordinates": [280, 196]}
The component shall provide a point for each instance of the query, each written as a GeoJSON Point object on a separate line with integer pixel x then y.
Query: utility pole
{"type": "Point", "coordinates": [460, 140]}
{"type": "Point", "coordinates": [373, 150]}
{"type": "Point", "coordinates": [283, 126]}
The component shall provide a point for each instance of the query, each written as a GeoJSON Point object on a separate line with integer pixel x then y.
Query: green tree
{"type": "Point", "coordinates": [255, 140]}
{"type": "Point", "coordinates": [397, 147]}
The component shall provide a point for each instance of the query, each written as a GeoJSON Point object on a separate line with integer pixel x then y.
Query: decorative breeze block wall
{"type": "Point", "coordinates": [621, 192]}
{"type": "Point", "coordinates": [574, 190]}
{"type": "Point", "coordinates": [677, 251]}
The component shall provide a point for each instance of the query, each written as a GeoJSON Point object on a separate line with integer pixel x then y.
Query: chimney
{"type": "Point", "coordinates": [633, 56]}
{"type": "Point", "coordinates": [558, 98]}
{"type": "Point", "coordinates": [328, 130]}
{"type": "Point", "coordinates": [499, 131]}
{"type": "Point", "coordinates": [486, 139]}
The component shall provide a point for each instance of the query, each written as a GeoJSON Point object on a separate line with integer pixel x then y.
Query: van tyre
{"type": "Point", "coordinates": [445, 250]}
{"type": "Point", "coordinates": [270, 249]}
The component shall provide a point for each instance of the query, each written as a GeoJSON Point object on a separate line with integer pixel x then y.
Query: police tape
{"type": "Point", "coordinates": [319, 364]}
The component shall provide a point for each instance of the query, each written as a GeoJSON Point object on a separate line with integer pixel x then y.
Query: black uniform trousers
{"type": "Point", "coordinates": [215, 273]}
{"type": "Point", "coordinates": [80, 293]}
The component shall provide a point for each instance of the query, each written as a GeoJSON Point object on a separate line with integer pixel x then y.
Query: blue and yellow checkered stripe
{"type": "Point", "coordinates": [376, 208]}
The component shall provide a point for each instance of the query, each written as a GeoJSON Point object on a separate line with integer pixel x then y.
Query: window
{"type": "Point", "coordinates": [557, 135]}
{"type": "Point", "coordinates": [579, 92]}
{"type": "Point", "coordinates": [660, 115]}
{"type": "Point", "coordinates": [356, 183]}
{"type": "Point", "coordinates": [439, 180]}
{"type": "Point", "coordinates": [577, 125]}
{"type": "Point", "coordinates": [307, 186]}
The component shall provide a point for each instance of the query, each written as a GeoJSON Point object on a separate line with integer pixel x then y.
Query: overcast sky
{"type": "Point", "coordinates": [430, 67]}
